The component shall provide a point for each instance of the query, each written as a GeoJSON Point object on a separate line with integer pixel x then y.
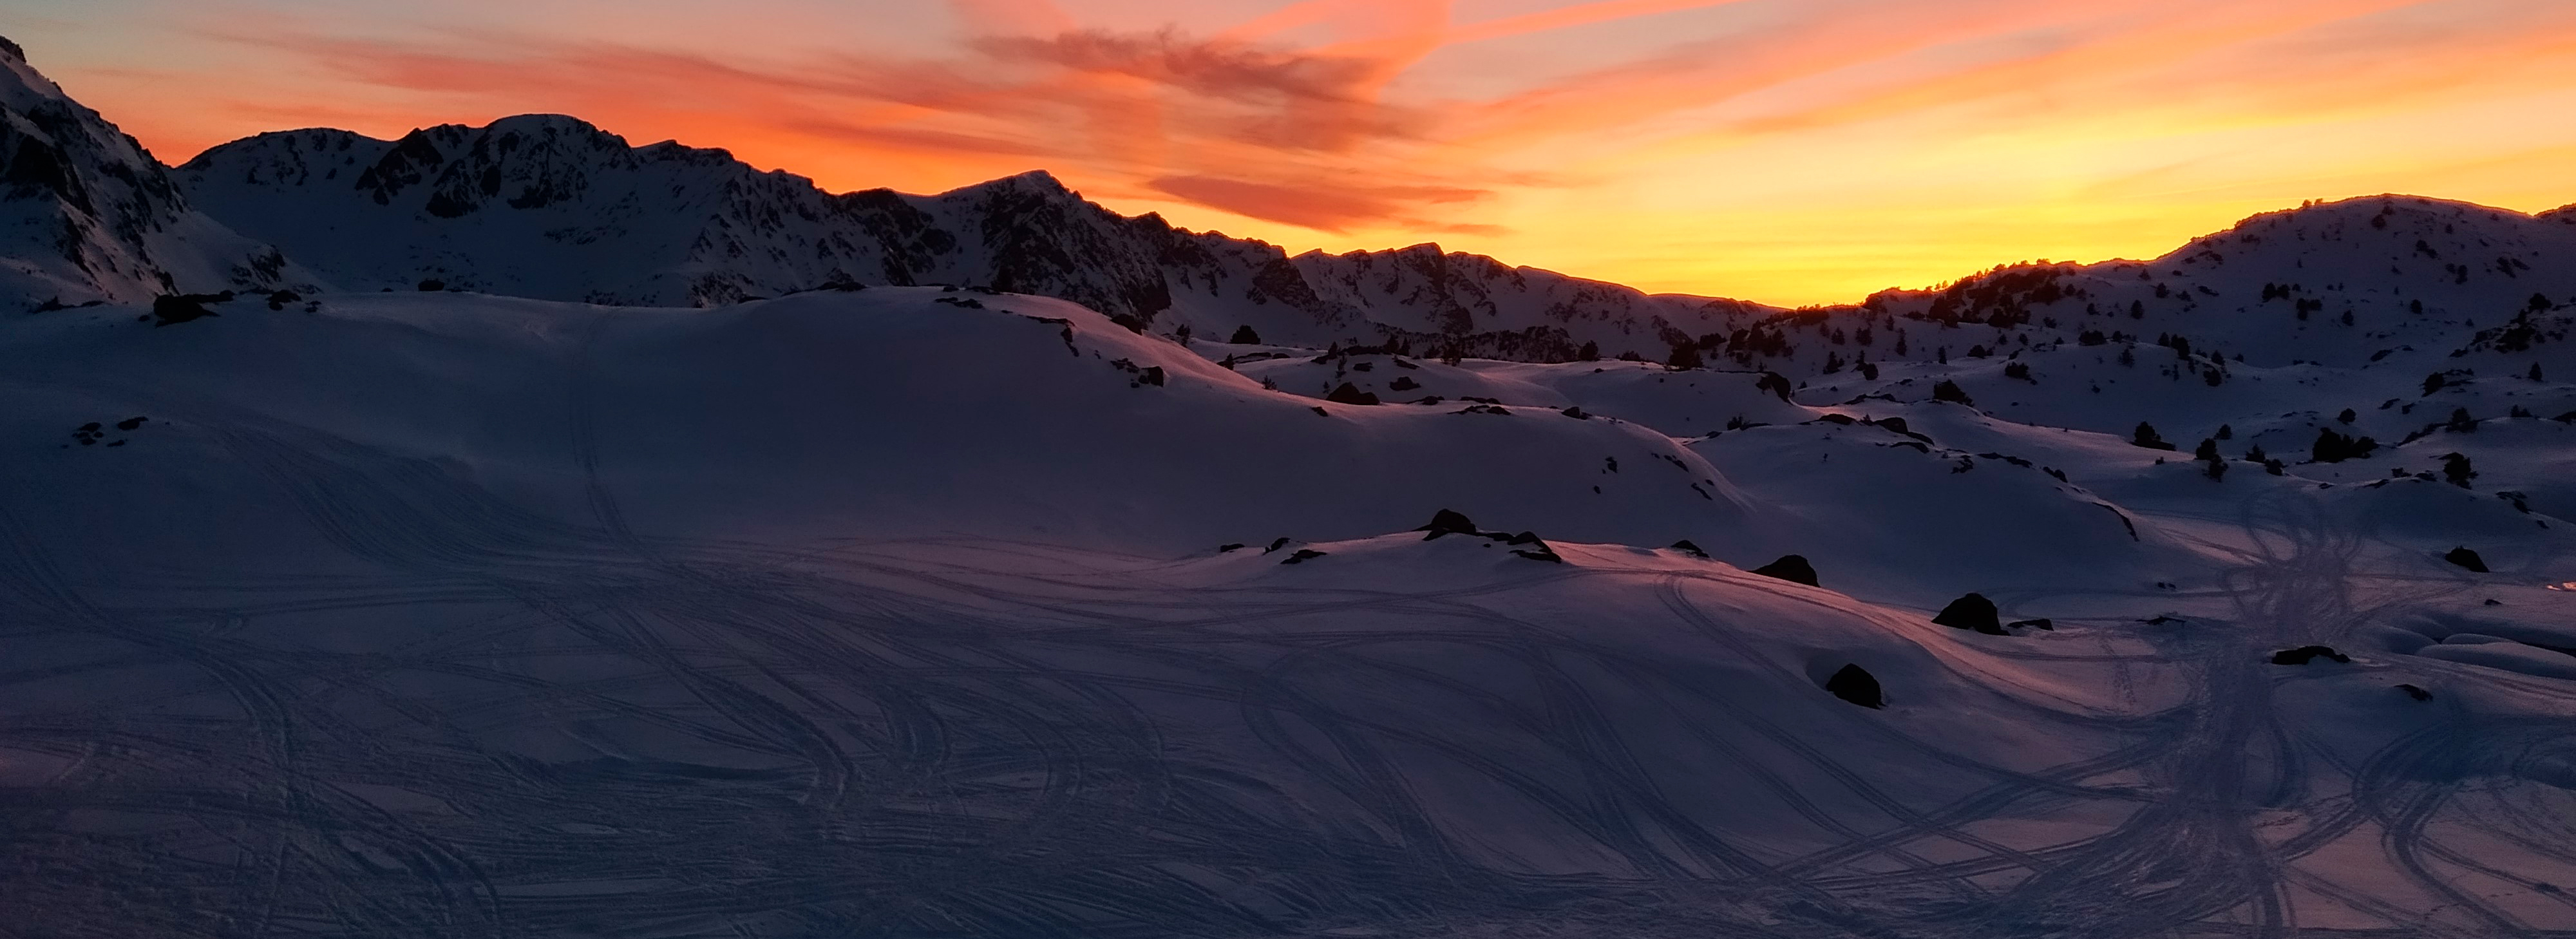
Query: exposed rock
{"type": "Point", "coordinates": [1350, 394]}
{"type": "Point", "coordinates": [173, 309]}
{"type": "Point", "coordinates": [2416, 693]}
{"type": "Point", "coordinates": [1302, 556]}
{"type": "Point", "coordinates": [2467, 559]}
{"type": "Point", "coordinates": [1686, 547]}
{"type": "Point", "coordinates": [1282, 542]}
{"type": "Point", "coordinates": [2304, 654]}
{"type": "Point", "coordinates": [1447, 522]}
{"type": "Point", "coordinates": [1790, 567]}
{"type": "Point", "coordinates": [1855, 684]}
{"type": "Point", "coordinates": [2046, 624]}
{"type": "Point", "coordinates": [1229, 548]}
{"type": "Point", "coordinates": [1973, 611]}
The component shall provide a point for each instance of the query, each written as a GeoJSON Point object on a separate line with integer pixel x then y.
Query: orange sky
{"type": "Point", "coordinates": [1788, 151]}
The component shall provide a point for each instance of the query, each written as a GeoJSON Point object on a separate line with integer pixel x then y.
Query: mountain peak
{"type": "Point", "coordinates": [1034, 182]}
{"type": "Point", "coordinates": [101, 218]}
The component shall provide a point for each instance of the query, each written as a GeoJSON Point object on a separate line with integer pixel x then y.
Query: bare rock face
{"type": "Point", "coordinates": [2467, 560]}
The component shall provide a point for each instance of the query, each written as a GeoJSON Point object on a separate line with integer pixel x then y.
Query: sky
{"type": "Point", "coordinates": [1786, 151]}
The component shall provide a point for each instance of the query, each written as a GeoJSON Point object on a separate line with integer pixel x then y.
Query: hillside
{"type": "Point", "coordinates": [708, 555]}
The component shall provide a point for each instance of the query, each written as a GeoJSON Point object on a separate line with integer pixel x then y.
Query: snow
{"type": "Point", "coordinates": [944, 611]}
{"type": "Point", "coordinates": [550, 207]}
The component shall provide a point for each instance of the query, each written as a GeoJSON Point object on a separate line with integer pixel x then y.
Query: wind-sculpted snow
{"type": "Point", "coordinates": [2223, 594]}
{"type": "Point", "coordinates": [944, 613]}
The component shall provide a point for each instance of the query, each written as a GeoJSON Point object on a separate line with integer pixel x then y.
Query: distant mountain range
{"type": "Point", "coordinates": [550, 207]}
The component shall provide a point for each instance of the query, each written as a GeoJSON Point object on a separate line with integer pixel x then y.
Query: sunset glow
{"type": "Point", "coordinates": [1789, 152]}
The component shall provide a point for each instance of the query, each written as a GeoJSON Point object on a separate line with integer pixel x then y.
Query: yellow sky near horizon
{"type": "Point", "coordinates": [1787, 151]}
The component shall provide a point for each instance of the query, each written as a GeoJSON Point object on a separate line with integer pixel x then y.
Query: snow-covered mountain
{"type": "Point", "coordinates": [553, 208]}
{"type": "Point", "coordinates": [2220, 594]}
{"type": "Point", "coordinates": [86, 214]}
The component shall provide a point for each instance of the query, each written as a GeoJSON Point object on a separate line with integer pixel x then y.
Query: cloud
{"type": "Point", "coordinates": [1332, 207]}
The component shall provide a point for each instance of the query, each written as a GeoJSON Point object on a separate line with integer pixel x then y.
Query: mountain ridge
{"type": "Point", "coordinates": [86, 213]}
{"type": "Point", "coordinates": [485, 207]}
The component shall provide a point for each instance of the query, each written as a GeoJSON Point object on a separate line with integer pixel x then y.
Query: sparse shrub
{"type": "Point", "coordinates": [2332, 447]}
{"type": "Point", "coordinates": [2455, 467]}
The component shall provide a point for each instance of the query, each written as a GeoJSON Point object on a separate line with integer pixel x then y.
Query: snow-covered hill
{"type": "Point", "coordinates": [550, 207]}
{"type": "Point", "coordinates": [793, 593]}
{"type": "Point", "coordinates": [86, 214]}
{"type": "Point", "coordinates": [910, 611]}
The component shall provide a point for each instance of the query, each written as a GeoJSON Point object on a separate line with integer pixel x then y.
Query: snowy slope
{"type": "Point", "coordinates": [86, 214]}
{"type": "Point", "coordinates": [550, 207]}
{"type": "Point", "coordinates": [904, 611]}
{"type": "Point", "coordinates": [694, 563]}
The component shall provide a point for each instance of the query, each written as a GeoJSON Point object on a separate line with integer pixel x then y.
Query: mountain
{"type": "Point", "coordinates": [2219, 594]}
{"type": "Point", "coordinates": [553, 208]}
{"type": "Point", "coordinates": [86, 214]}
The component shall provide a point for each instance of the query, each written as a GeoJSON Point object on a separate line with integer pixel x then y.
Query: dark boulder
{"type": "Point", "coordinates": [1349, 394]}
{"type": "Point", "coordinates": [1447, 522]}
{"type": "Point", "coordinates": [1277, 544]}
{"type": "Point", "coordinates": [1790, 567]}
{"type": "Point", "coordinates": [1686, 547]}
{"type": "Point", "coordinates": [2467, 559]}
{"type": "Point", "coordinates": [1973, 611]}
{"type": "Point", "coordinates": [2305, 654]}
{"type": "Point", "coordinates": [180, 308]}
{"type": "Point", "coordinates": [1302, 556]}
{"type": "Point", "coordinates": [1229, 548]}
{"type": "Point", "coordinates": [1856, 685]}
